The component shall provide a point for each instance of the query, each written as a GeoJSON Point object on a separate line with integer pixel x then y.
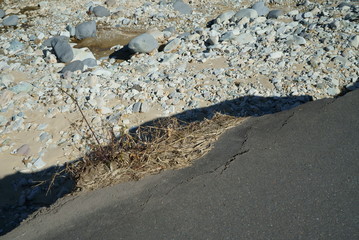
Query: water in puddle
{"type": "Point", "coordinates": [101, 45]}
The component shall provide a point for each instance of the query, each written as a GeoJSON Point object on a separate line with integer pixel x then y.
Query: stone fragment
{"type": "Point", "coordinates": [11, 20]}
{"type": "Point", "coordinates": [38, 163]}
{"type": "Point", "coordinates": [354, 41]}
{"type": "Point", "coordinates": [144, 107]}
{"type": "Point", "coordinates": [249, 13]}
{"type": "Point", "coordinates": [24, 150]}
{"type": "Point", "coordinates": [226, 16]}
{"type": "Point", "coordinates": [110, 3]}
{"type": "Point", "coordinates": [274, 14]}
{"type": "Point", "coordinates": [296, 40]}
{"type": "Point", "coordinates": [276, 55]}
{"type": "Point", "coordinates": [15, 46]}
{"type": "Point", "coordinates": [3, 120]}
{"type": "Point", "coordinates": [73, 66]}
{"type": "Point", "coordinates": [136, 107]}
{"type": "Point", "coordinates": [6, 79]}
{"type": "Point", "coordinates": [172, 45]}
{"type": "Point", "coordinates": [90, 62]}
{"type": "Point", "coordinates": [245, 38]}
{"type": "Point", "coordinates": [182, 7]}
{"type": "Point", "coordinates": [22, 87]}
{"type": "Point", "coordinates": [2, 13]}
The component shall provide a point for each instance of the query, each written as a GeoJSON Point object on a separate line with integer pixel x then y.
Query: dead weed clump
{"type": "Point", "coordinates": [166, 144]}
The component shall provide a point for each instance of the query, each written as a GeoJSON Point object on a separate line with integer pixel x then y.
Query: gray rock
{"type": "Point", "coordinates": [38, 163]}
{"type": "Point", "coordinates": [245, 38]}
{"type": "Point", "coordinates": [143, 43]}
{"type": "Point", "coordinates": [249, 13]}
{"type": "Point", "coordinates": [101, 11]}
{"type": "Point", "coordinates": [261, 9]}
{"type": "Point", "coordinates": [333, 91]}
{"type": "Point", "coordinates": [354, 41]}
{"type": "Point", "coordinates": [170, 29]}
{"type": "Point", "coordinates": [110, 3]}
{"type": "Point", "coordinates": [90, 62]}
{"type": "Point", "coordinates": [136, 107]}
{"type": "Point", "coordinates": [24, 150]}
{"type": "Point", "coordinates": [341, 61]}
{"type": "Point", "coordinates": [3, 120]}
{"type": "Point", "coordinates": [2, 13]}
{"type": "Point", "coordinates": [274, 14]}
{"type": "Point", "coordinates": [11, 21]}
{"type": "Point", "coordinates": [227, 36]}
{"type": "Point", "coordinates": [345, 4]}
{"type": "Point", "coordinates": [334, 25]}
{"type": "Point", "coordinates": [298, 17]}
{"type": "Point", "coordinates": [296, 40]}
{"type": "Point", "coordinates": [15, 45]}
{"type": "Point", "coordinates": [308, 15]}
{"type": "Point", "coordinates": [226, 16]}
{"type": "Point", "coordinates": [6, 79]}
{"type": "Point", "coordinates": [71, 29]}
{"type": "Point", "coordinates": [86, 30]}
{"type": "Point", "coordinates": [73, 66]}
{"type": "Point", "coordinates": [182, 7]}
{"type": "Point", "coordinates": [52, 41]}
{"type": "Point", "coordinates": [63, 51]}
{"type": "Point", "coordinates": [45, 136]}
{"type": "Point", "coordinates": [22, 87]}
{"type": "Point", "coordinates": [144, 107]}
{"type": "Point", "coordinates": [172, 45]}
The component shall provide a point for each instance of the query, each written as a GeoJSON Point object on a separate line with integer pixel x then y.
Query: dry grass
{"type": "Point", "coordinates": [166, 144]}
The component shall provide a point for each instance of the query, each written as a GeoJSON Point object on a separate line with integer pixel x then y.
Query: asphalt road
{"type": "Point", "coordinates": [291, 175]}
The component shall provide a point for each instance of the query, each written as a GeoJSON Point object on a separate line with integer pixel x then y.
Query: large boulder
{"type": "Point", "coordinates": [143, 43]}
{"type": "Point", "coordinates": [85, 30]}
{"type": "Point", "coordinates": [63, 50]}
{"type": "Point", "coordinates": [100, 11]}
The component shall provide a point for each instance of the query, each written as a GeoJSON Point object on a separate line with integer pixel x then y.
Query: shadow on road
{"type": "Point", "coordinates": [23, 194]}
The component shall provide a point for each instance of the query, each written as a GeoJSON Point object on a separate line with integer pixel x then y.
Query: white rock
{"type": "Point", "coordinates": [101, 72]}
{"type": "Point", "coordinates": [276, 55]}
{"type": "Point", "coordinates": [354, 42]}
{"type": "Point", "coordinates": [82, 54]}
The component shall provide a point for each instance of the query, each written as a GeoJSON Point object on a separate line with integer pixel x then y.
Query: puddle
{"type": "Point", "coordinates": [101, 45]}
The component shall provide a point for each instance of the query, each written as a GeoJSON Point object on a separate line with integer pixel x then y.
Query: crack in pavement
{"type": "Point", "coordinates": [287, 120]}
{"type": "Point", "coordinates": [226, 164]}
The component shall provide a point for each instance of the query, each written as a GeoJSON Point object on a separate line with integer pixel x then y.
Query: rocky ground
{"type": "Point", "coordinates": [57, 56]}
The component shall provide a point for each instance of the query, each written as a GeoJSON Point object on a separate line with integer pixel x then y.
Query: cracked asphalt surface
{"type": "Point", "coordinates": [290, 175]}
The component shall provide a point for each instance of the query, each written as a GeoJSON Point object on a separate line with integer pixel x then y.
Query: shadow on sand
{"type": "Point", "coordinates": [22, 194]}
